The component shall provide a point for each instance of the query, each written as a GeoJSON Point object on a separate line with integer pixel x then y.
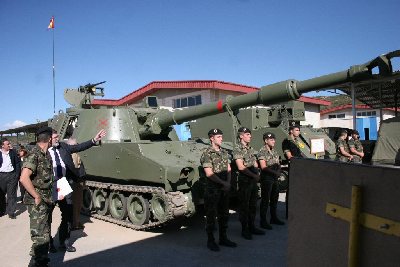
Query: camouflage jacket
{"type": "Point", "coordinates": [359, 148]}
{"type": "Point", "coordinates": [271, 157]}
{"type": "Point", "coordinates": [342, 143]}
{"type": "Point", "coordinates": [247, 154]}
{"type": "Point", "coordinates": [216, 160]}
{"type": "Point", "coordinates": [42, 174]}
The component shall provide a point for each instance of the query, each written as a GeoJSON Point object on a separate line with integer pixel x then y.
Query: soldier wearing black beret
{"type": "Point", "coordinates": [215, 162]}
{"type": "Point", "coordinates": [246, 162]}
{"type": "Point", "coordinates": [270, 171]}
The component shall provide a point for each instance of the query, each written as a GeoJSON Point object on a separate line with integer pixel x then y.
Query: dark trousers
{"type": "Point", "coordinates": [248, 200]}
{"type": "Point", "coordinates": [64, 230]}
{"type": "Point", "coordinates": [8, 185]}
{"type": "Point", "coordinates": [216, 204]}
{"type": "Point", "coordinates": [269, 196]}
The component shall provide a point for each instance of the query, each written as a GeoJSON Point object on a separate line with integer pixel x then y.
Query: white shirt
{"type": "Point", "coordinates": [53, 150]}
{"type": "Point", "coordinates": [7, 165]}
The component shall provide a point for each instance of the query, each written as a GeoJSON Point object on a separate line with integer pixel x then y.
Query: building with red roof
{"type": "Point", "coordinates": [181, 94]}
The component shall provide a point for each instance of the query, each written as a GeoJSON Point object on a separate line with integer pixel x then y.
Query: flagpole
{"type": "Point", "coordinates": [54, 80]}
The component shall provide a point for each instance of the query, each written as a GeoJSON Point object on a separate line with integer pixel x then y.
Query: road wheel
{"type": "Point", "coordinates": [160, 207]}
{"type": "Point", "coordinates": [138, 209]}
{"type": "Point", "coordinates": [100, 202]}
{"type": "Point", "coordinates": [118, 205]}
{"type": "Point", "coordinates": [87, 200]}
{"type": "Point", "coordinates": [283, 181]}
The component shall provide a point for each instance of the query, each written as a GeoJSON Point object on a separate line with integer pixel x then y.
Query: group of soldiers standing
{"type": "Point", "coordinates": [262, 167]}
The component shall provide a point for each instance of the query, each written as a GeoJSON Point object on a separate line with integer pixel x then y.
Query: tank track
{"type": "Point", "coordinates": [177, 204]}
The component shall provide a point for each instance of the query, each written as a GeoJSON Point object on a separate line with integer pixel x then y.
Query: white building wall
{"type": "Point", "coordinates": [347, 121]}
{"type": "Point", "coordinates": [312, 115]}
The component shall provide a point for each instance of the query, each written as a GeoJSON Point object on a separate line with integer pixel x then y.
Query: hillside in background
{"type": "Point", "coordinates": [338, 100]}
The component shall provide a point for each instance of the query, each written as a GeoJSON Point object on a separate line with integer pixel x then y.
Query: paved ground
{"type": "Point", "coordinates": [183, 244]}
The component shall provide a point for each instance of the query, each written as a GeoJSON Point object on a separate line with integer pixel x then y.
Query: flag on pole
{"type": "Point", "coordinates": [51, 24]}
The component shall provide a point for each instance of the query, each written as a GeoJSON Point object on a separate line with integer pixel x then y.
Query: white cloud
{"type": "Point", "coordinates": [15, 124]}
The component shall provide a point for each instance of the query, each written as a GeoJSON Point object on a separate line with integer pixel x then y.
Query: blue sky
{"type": "Point", "coordinates": [130, 43]}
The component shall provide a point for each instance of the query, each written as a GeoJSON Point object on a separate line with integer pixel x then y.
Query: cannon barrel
{"type": "Point", "coordinates": [274, 93]}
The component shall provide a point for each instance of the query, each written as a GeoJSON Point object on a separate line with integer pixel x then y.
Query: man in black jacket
{"type": "Point", "coordinates": [10, 170]}
{"type": "Point", "coordinates": [63, 166]}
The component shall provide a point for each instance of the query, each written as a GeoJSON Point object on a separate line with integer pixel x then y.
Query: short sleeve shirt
{"type": "Point", "coordinates": [246, 153]}
{"type": "Point", "coordinates": [358, 146]}
{"type": "Point", "coordinates": [41, 166]}
{"type": "Point", "coordinates": [270, 156]}
{"type": "Point", "coordinates": [290, 145]}
{"type": "Point", "coordinates": [217, 160]}
{"type": "Point", "coordinates": [341, 143]}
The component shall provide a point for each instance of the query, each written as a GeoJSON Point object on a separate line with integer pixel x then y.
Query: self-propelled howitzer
{"type": "Point", "coordinates": [141, 175]}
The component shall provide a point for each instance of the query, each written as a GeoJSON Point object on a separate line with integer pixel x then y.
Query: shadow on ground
{"type": "Point", "coordinates": [183, 243]}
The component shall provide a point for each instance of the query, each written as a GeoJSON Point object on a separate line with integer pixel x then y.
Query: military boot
{"type": "Point", "coordinates": [246, 232]}
{"type": "Point", "coordinates": [264, 224]}
{"type": "Point", "coordinates": [255, 231]}
{"type": "Point", "coordinates": [224, 241]}
{"type": "Point", "coordinates": [274, 217]}
{"type": "Point", "coordinates": [211, 245]}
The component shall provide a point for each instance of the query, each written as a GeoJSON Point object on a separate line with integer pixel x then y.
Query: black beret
{"type": "Point", "coordinates": [268, 135]}
{"type": "Point", "coordinates": [45, 129]}
{"type": "Point", "coordinates": [293, 125]}
{"type": "Point", "coordinates": [214, 132]}
{"type": "Point", "coordinates": [244, 130]}
{"type": "Point", "coordinates": [355, 132]}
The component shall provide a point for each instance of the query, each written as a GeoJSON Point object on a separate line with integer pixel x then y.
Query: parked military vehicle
{"type": "Point", "coordinates": [387, 147]}
{"type": "Point", "coordinates": [141, 175]}
{"type": "Point", "coordinates": [276, 119]}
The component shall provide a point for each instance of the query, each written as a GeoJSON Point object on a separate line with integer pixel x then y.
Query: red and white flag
{"type": "Point", "coordinates": [51, 24]}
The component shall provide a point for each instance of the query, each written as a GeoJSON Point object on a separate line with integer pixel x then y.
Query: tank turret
{"type": "Point", "coordinates": [141, 175]}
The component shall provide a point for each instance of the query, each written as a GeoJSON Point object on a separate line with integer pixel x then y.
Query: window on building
{"type": "Point", "coordinates": [184, 102]}
{"type": "Point", "coordinates": [366, 114]}
{"type": "Point", "coordinates": [339, 116]}
{"type": "Point", "coordinates": [187, 101]}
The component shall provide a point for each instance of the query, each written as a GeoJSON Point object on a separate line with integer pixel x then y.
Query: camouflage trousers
{"type": "Point", "coordinates": [248, 193]}
{"type": "Point", "coordinates": [39, 217]}
{"type": "Point", "coordinates": [269, 195]}
{"type": "Point", "coordinates": [216, 205]}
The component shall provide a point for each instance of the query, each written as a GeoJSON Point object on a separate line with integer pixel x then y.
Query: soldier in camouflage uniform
{"type": "Point", "coordinates": [356, 148]}
{"type": "Point", "coordinates": [342, 148]}
{"type": "Point", "coordinates": [270, 171]}
{"type": "Point", "coordinates": [246, 162]}
{"type": "Point", "coordinates": [37, 177]}
{"type": "Point", "coordinates": [215, 162]}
